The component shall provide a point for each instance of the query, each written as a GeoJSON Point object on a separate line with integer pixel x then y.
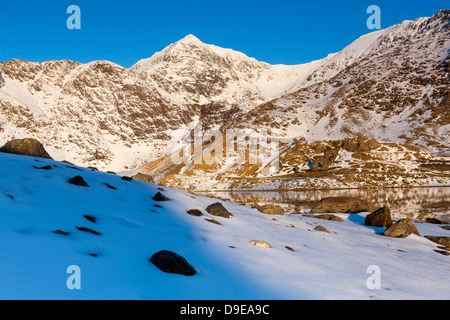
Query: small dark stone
{"type": "Point", "coordinates": [43, 168]}
{"type": "Point", "coordinates": [127, 178]}
{"type": "Point", "coordinates": [63, 233]}
{"type": "Point", "coordinates": [195, 212]}
{"type": "Point", "coordinates": [160, 197]}
{"type": "Point", "coordinates": [443, 252]}
{"type": "Point", "coordinates": [171, 262]}
{"type": "Point", "coordinates": [89, 230]}
{"type": "Point", "coordinates": [78, 181]}
{"type": "Point", "coordinates": [95, 255]}
{"type": "Point", "coordinates": [213, 221]}
{"type": "Point", "coordinates": [110, 186]}
{"type": "Point", "coordinates": [90, 218]}
{"type": "Point", "coordinates": [289, 248]}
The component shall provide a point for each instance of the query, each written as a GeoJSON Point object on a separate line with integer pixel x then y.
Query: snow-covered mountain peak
{"type": "Point", "coordinates": [190, 38]}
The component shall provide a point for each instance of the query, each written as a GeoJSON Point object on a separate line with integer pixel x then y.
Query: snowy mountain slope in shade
{"type": "Point", "coordinates": [34, 260]}
{"type": "Point", "coordinates": [96, 114]}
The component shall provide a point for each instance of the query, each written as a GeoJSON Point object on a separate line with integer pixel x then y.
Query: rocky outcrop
{"type": "Point", "coordinates": [270, 209]}
{"type": "Point", "coordinates": [402, 229]}
{"type": "Point", "coordinates": [26, 147]}
{"type": "Point", "coordinates": [143, 177]}
{"type": "Point", "coordinates": [360, 144]}
{"type": "Point", "coordinates": [342, 205]}
{"type": "Point", "coordinates": [2, 81]}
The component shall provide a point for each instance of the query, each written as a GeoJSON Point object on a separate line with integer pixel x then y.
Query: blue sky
{"type": "Point", "coordinates": [282, 31]}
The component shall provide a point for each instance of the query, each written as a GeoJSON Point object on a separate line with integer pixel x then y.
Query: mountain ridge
{"type": "Point", "coordinates": [101, 114]}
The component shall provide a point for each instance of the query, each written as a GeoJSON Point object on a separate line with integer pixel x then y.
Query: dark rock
{"type": "Point", "coordinates": [172, 262]}
{"type": "Point", "coordinates": [445, 241]}
{"type": "Point", "coordinates": [401, 229]}
{"type": "Point", "coordinates": [43, 168]}
{"type": "Point", "coordinates": [25, 147]}
{"type": "Point", "coordinates": [217, 209]}
{"type": "Point", "coordinates": [78, 181]}
{"type": "Point", "coordinates": [343, 205]}
{"type": "Point", "coordinates": [127, 178]}
{"type": "Point", "coordinates": [160, 197]}
{"type": "Point", "coordinates": [443, 252]}
{"type": "Point", "coordinates": [435, 221]}
{"type": "Point", "coordinates": [289, 248]}
{"type": "Point", "coordinates": [89, 218]}
{"type": "Point", "coordinates": [83, 229]}
{"type": "Point", "coordinates": [63, 233]}
{"type": "Point", "coordinates": [195, 212]}
{"type": "Point", "coordinates": [110, 186]}
{"type": "Point", "coordinates": [379, 218]}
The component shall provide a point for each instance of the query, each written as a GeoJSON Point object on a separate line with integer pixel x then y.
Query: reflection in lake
{"type": "Point", "coordinates": [418, 203]}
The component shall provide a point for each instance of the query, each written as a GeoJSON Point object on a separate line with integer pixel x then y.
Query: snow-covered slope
{"type": "Point", "coordinates": [37, 200]}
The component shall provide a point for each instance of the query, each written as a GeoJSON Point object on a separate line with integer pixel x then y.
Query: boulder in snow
{"type": "Point", "coordinates": [401, 229]}
{"type": "Point", "coordinates": [78, 181]}
{"type": "Point", "coordinates": [160, 197]}
{"type": "Point", "coordinates": [379, 218]}
{"type": "Point", "coordinates": [172, 262]}
{"type": "Point", "coordinates": [217, 209]}
{"type": "Point", "coordinates": [25, 147]}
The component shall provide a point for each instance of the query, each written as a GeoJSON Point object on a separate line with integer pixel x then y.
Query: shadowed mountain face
{"type": "Point", "coordinates": [391, 85]}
